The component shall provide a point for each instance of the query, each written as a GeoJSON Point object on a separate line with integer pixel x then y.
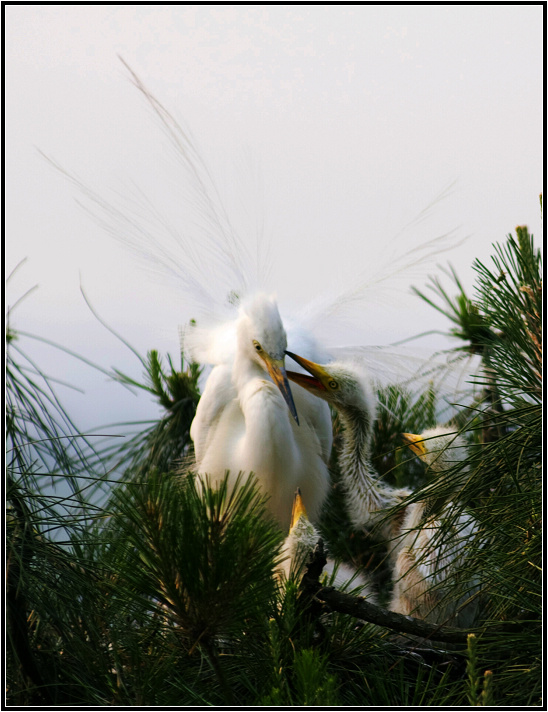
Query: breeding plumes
{"type": "Point", "coordinates": [433, 578]}
{"type": "Point", "coordinates": [346, 387]}
{"type": "Point", "coordinates": [299, 546]}
{"type": "Point", "coordinates": [247, 419]}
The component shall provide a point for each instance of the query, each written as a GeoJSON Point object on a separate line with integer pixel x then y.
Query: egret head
{"type": "Point", "coordinates": [262, 339]}
{"type": "Point", "coordinates": [302, 537]}
{"type": "Point", "coordinates": [345, 386]}
{"type": "Point", "coordinates": [439, 448]}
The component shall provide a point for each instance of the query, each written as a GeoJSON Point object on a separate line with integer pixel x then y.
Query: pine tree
{"type": "Point", "coordinates": [135, 586]}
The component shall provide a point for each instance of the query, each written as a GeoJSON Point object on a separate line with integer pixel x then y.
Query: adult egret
{"type": "Point", "coordinates": [298, 547]}
{"type": "Point", "coordinates": [248, 420]}
{"type": "Point", "coordinates": [243, 422]}
{"type": "Point", "coordinates": [346, 387]}
{"type": "Point", "coordinates": [433, 554]}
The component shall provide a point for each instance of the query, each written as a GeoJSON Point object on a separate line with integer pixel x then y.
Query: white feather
{"type": "Point", "coordinates": [244, 425]}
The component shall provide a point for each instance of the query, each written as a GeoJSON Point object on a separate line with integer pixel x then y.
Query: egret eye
{"type": "Point", "coordinates": [257, 346]}
{"type": "Point", "coordinates": [333, 385]}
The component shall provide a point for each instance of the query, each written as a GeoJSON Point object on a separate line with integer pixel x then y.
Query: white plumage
{"type": "Point", "coordinates": [346, 387]}
{"type": "Point", "coordinates": [243, 422]}
{"type": "Point", "coordinates": [299, 546]}
{"type": "Point", "coordinates": [432, 575]}
{"type": "Point", "coordinates": [425, 552]}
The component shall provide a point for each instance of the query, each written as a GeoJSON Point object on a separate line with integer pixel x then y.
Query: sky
{"type": "Point", "coordinates": [346, 133]}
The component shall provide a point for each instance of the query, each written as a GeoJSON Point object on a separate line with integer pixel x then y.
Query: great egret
{"type": "Point", "coordinates": [243, 422]}
{"type": "Point", "coordinates": [345, 386]}
{"type": "Point", "coordinates": [247, 422]}
{"type": "Point", "coordinates": [434, 550]}
{"type": "Point", "coordinates": [300, 544]}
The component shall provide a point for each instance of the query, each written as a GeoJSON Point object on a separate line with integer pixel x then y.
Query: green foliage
{"type": "Point", "coordinates": [503, 483]}
{"type": "Point", "coordinates": [471, 671]}
{"type": "Point", "coordinates": [401, 411]}
{"type": "Point", "coordinates": [41, 439]}
{"type": "Point", "coordinates": [167, 441]}
{"type": "Point", "coordinates": [480, 688]}
{"type": "Point", "coordinates": [300, 676]}
{"type": "Point", "coordinates": [204, 554]}
{"type": "Point", "coordinates": [163, 443]}
{"type": "Point", "coordinates": [161, 591]}
{"type": "Point", "coordinates": [470, 325]}
{"type": "Point", "coordinates": [512, 304]}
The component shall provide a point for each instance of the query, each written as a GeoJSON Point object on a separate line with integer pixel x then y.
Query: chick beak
{"type": "Point", "coordinates": [298, 509]}
{"type": "Point", "coordinates": [415, 443]}
{"type": "Point", "coordinates": [276, 369]}
{"type": "Point", "coordinates": [311, 382]}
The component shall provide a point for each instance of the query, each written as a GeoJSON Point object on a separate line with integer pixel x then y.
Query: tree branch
{"type": "Point", "coordinates": [360, 608]}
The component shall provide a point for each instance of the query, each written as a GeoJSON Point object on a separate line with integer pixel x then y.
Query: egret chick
{"type": "Point", "coordinates": [299, 546]}
{"type": "Point", "coordinates": [346, 387]}
{"type": "Point", "coordinates": [422, 559]}
{"type": "Point", "coordinates": [434, 549]}
{"type": "Point", "coordinates": [248, 420]}
{"type": "Point", "coordinates": [439, 447]}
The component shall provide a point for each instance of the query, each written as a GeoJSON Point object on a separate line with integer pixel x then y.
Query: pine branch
{"type": "Point", "coordinates": [17, 609]}
{"type": "Point", "coordinates": [358, 607]}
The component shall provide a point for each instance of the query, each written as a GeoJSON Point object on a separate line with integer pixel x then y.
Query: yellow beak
{"type": "Point", "coordinates": [415, 443]}
{"type": "Point", "coordinates": [313, 382]}
{"type": "Point", "coordinates": [298, 509]}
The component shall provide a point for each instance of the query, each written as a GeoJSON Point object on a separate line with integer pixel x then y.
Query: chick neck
{"type": "Point", "coordinates": [367, 497]}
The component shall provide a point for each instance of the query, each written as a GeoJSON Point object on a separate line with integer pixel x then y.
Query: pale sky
{"type": "Point", "coordinates": [337, 124]}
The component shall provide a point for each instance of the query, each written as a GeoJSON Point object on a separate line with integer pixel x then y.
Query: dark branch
{"type": "Point", "coordinates": [360, 608]}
